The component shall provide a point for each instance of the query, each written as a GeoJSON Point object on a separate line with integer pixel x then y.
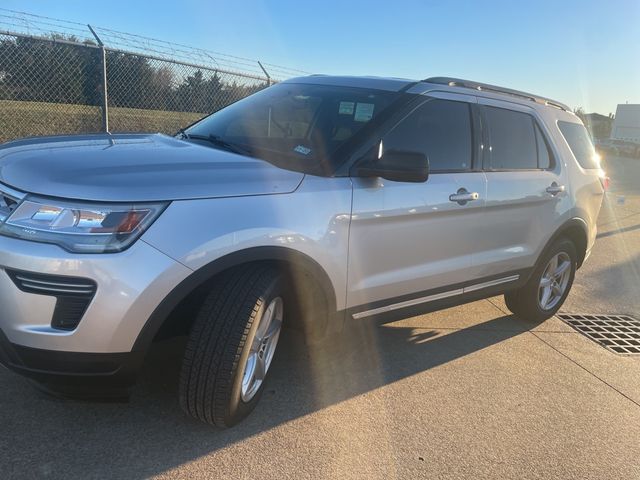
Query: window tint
{"type": "Point", "coordinates": [544, 155]}
{"type": "Point", "coordinates": [439, 128]}
{"type": "Point", "coordinates": [578, 139]}
{"type": "Point", "coordinates": [513, 141]}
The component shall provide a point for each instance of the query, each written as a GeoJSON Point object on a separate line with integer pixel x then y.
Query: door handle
{"type": "Point", "coordinates": [462, 196]}
{"type": "Point", "coordinates": [555, 189]}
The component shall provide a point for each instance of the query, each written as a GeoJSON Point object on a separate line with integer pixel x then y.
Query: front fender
{"type": "Point", "coordinates": [295, 259]}
{"type": "Point", "coordinates": [311, 223]}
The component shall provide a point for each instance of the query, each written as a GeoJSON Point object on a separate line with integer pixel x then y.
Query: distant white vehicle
{"type": "Point", "coordinates": [626, 125]}
{"type": "Point", "coordinates": [620, 148]}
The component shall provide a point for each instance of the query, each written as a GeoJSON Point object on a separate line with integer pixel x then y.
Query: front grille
{"type": "Point", "coordinates": [618, 333]}
{"type": "Point", "coordinates": [73, 294]}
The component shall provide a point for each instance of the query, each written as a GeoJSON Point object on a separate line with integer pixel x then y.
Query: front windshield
{"type": "Point", "coordinates": [297, 126]}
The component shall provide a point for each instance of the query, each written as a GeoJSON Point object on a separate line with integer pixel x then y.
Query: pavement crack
{"type": "Point", "coordinates": [499, 307]}
{"type": "Point", "coordinates": [532, 332]}
{"type": "Point", "coordinates": [585, 369]}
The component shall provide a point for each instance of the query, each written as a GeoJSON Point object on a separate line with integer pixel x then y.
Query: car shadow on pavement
{"type": "Point", "coordinates": [618, 231]}
{"type": "Point", "coordinates": [150, 435]}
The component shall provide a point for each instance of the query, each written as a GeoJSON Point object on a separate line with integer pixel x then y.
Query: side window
{"type": "Point", "coordinates": [578, 139]}
{"type": "Point", "coordinates": [439, 128]}
{"type": "Point", "coordinates": [513, 140]}
{"type": "Point", "coordinates": [544, 155]}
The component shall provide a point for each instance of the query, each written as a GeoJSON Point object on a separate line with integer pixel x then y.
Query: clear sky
{"type": "Point", "coordinates": [581, 52]}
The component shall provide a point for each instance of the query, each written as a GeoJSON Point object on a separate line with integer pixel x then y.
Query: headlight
{"type": "Point", "coordinates": [80, 227]}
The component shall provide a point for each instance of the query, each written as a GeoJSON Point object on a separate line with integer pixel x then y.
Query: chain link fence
{"type": "Point", "coordinates": [52, 79]}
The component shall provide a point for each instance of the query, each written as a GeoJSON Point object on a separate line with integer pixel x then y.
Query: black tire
{"type": "Point", "coordinates": [219, 345]}
{"type": "Point", "coordinates": [524, 303]}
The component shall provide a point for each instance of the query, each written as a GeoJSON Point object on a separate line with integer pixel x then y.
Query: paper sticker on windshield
{"type": "Point", "coordinates": [346, 108]}
{"type": "Point", "coordinates": [364, 112]}
{"type": "Point", "coordinates": [302, 149]}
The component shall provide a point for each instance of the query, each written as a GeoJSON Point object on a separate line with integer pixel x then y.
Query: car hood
{"type": "Point", "coordinates": [136, 168]}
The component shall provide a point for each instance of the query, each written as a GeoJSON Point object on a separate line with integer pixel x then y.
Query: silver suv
{"type": "Point", "coordinates": [318, 201]}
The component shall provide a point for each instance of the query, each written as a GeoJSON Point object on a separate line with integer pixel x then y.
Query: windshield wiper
{"type": "Point", "coordinates": [214, 140]}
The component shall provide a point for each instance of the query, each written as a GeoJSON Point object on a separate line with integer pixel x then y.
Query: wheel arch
{"type": "Point", "coordinates": [576, 230]}
{"type": "Point", "coordinates": [297, 263]}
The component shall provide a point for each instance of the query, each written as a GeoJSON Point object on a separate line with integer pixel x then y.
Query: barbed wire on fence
{"type": "Point", "coordinates": [38, 25]}
{"type": "Point", "coordinates": [53, 76]}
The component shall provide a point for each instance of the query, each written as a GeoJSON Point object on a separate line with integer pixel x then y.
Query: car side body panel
{"type": "Point", "coordinates": [408, 237]}
{"type": "Point", "coordinates": [314, 220]}
{"type": "Point", "coordinates": [520, 214]}
{"type": "Point", "coordinates": [585, 185]}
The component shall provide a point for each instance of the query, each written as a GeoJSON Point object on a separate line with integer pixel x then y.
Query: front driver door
{"type": "Point", "coordinates": [408, 239]}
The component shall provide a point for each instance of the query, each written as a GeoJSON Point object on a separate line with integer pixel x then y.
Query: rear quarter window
{"type": "Point", "coordinates": [580, 144]}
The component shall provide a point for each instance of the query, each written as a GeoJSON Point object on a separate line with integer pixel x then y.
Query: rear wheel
{"type": "Point", "coordinates": [545, 292]}
{"type": "Point", "coordinates": [232, 345]}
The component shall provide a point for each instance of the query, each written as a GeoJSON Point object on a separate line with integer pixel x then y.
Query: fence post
{"type": "Point", "coordinates": [105, 95]}
{"type": "Point", "coordinates": [266, 73]}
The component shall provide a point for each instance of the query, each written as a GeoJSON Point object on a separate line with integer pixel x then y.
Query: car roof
{"type": "Point", "coordinates": [393, 84]}
{"type": "Point", "coordinates": [379, 83]}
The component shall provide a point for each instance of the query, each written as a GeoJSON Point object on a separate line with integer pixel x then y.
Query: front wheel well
{"type": "Point", "coordinates": [310, 294]}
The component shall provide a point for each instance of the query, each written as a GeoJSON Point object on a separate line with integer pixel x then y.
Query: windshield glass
{"type": "Point", "coordinates": [296, 126]}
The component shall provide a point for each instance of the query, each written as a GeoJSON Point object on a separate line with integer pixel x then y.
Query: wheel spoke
{"type": "Point", "coordinates": [255, 345]}
{"type": "Point", "coordinates": [265, 322]}
{"type": "Point", "coordinates": [545, 282]}
{"type": "Point", "coordinates": [260, 368]}
{"type": "Point", "coordinates": [262, 348]}
{"type": "Point", "coordinates": [274, 328]}
{"type": "Point", "coordinates": [250, 371]}
{"type": "Point", "coordinates": [546, 296]}
{"type": "Point", "coordinates": [562, 268]}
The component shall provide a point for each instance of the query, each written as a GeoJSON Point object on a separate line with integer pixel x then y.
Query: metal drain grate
{"type": "Point", "coordinates": [618, 333]}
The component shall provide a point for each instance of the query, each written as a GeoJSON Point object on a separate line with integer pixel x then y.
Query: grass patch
{"type": "Point", "coordinates": [27, 119]}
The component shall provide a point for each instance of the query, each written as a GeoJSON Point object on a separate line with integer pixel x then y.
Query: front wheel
{"type": "Point", "coordinates": [231, 346]}
{"type": "Point", "coordinates": [547, 289]}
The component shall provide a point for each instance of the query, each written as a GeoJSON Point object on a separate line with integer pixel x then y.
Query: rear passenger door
{"type": "Point", "coordinates": [524, 188]}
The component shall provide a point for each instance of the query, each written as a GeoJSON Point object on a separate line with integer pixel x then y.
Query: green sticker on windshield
{"type": "Point", "coordinates": [364, 112]}
{"type": "Point", "coordinates": [346, 108]}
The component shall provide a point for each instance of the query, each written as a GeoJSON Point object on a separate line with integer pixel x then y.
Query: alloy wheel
{"type": "Point", "coordinates": [262, 349]}
{"type": "Point", "coordinates": [554, 281]}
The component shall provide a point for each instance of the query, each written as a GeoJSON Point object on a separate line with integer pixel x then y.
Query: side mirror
{"type": "Point", "coordinates": [398, 166]}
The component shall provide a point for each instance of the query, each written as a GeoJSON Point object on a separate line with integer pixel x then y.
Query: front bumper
{"type": "Point", "coordinates": [129, 286]}
{"type": "Point", "coordinates": [90, 376]}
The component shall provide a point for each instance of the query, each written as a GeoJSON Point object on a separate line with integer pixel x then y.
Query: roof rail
{"type": "Point", "coordinates": [458, 82]}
